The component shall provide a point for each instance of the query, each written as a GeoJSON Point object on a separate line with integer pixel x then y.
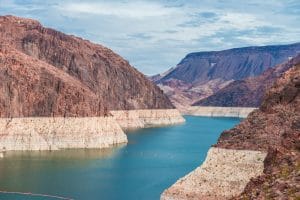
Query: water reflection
{"type": "Point", "coordinates": [66, 154]}
{"type": "Point", "coordinates": [153, 159]}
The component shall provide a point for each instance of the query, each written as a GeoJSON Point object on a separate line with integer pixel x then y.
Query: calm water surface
{"type": "Point", "coordinates": [153, 160]}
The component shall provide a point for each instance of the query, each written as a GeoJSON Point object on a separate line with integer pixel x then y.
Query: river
{"type": "Point", "coordinates": [152, 161]}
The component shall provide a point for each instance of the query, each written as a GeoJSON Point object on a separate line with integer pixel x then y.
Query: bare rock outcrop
{"type": "Point", "coordinates": [274, 130]}
{"type": "Point", "coordinates": [57, 90]}
{"type": "Point", "coordinates": [48, 133]}
{"type": "Point", "coordinates": [133, 119]}
{"type": "Point", "coordinates": [202, 74]}
{"type": "Point", "coordinates": [250, 91]}
{"type": "Point", "coordinates": [211, 111]}
{"type": "Point", "coordinates": [63, 70]}
{"type": "Point", "coordinates": [223, 175]}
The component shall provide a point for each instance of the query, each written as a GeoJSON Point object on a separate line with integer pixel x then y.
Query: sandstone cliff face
{"type": "Point", "coordinates": [47, 73]}
{"type": "Point", "coordinates": [212, 111]}
{"type": "Point", "coordinates": [57, 90]}
{"type": "Point", "coordinates": [54, 133]}
{"type": "Point", "coordinates": [223, 175]}
{"type": "Point", "coordinates": [202, 74]}
{"type": "Point", "coordinates": [259, 158]}
{"type": "Point", "coordinates": [274, 128]}
{"type": "Point", "coordinates": [30, 87]}
{"type": "Point", "coordinates": [47, 133]}
{"type": "Point", "coordinates": [248, 92]}
{"type": "Point", "coordinates": [133, 119]}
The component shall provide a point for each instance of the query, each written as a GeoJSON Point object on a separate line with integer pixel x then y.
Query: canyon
{"type": "Point", "coordinates": [52, 84]}
{"type": "Point", "coordinates": [266, 143]}
{"type": "Point", "coordinates": [202, 74]}
{"type": "Point", "coordinates": [248, 92]}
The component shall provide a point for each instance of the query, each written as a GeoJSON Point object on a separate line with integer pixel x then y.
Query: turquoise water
{"type": "Point", "coordinates": [153, 160]}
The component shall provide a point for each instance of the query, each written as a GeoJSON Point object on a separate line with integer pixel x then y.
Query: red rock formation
{"type": "Point", "coordinates": [248, 92]}
{"type": "Point", "coordinates": [45, 72]}
{"type": "Point", "coordinates": [274, 128]}
{"type": "Point", "coordinates": [202, 74]}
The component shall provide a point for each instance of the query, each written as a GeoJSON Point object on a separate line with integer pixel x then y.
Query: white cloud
{"type": "Point", "coordinates": [119, 9]}
{"type": "Point", "coordinates": [154, 35]}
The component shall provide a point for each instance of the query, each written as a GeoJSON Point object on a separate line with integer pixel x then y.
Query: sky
{"type": "Point", "coordinates": [155, 35]}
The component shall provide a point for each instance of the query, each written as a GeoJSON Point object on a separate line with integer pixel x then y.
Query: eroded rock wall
{"type": "Point", "coordinates": [132, 119]}
{"type": "Point", "coordinates": [274, 128]}
{"type": "Point", "coordinates": [210, 111]}
{"type": "Point", "coordinates": [57, 71]}
{"type": "Point", "coordinates": [224, 174]}
{"type": "Point", "coordinates": [46, 133]}
{"type": "Point", "coordinates": [53, 133]}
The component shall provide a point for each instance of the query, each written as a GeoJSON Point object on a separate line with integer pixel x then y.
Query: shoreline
{"type": "Point", "coordinates": [223, 175]}
{"type": "Point", "coordinates": [54, 133]}
{"type": "Point", "coordinates": [136, 119]}
{"type": "Point", "coordinates": [212, 111]}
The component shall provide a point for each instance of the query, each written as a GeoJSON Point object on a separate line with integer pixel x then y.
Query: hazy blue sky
{"type": "Point", "coordinates": [156, 35]}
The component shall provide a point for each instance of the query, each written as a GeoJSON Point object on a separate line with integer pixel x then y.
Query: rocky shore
{"type": "Point", "coordinates": [132, 119]}
{"type": "Point", "coordinates": [270, 168]}
{"type": "Point", "coordinates": [224, 174]}
{"type": "Point", "coordinates": [59, 91]}
{"type": "Point", "coordinates": [53, 133]}
{"type": "Point", "coordinates": [210, 111]}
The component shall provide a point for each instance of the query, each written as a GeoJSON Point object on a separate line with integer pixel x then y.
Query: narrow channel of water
{"type": "Point", "coordinates": [153, 160]}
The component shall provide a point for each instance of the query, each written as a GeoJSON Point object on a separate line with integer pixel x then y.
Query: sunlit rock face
{"type": "Point", "coordinates": [200, 75]}
{"type": "Point", "coordinates": [270, 136]}
{"type": "Point", "coordinates": [223, 175]}
{"type": "Point", "coordinates": [47, 73]}
{"type": "Point", "coordinates": [250, 91]}
{"type": "Point", "coordinates": [58, 91]}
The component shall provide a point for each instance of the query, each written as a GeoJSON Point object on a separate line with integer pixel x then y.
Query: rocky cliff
{"type": "Point", "coordinates": [274, 129]}
{"type": "Point", "coordinates": [58, 91]}
{"type": "Point", "coordinates": [48, 133]}
{"type": "Point", "coordinates": [47, 73]}
{"type": "Point", "coordinates": [248, 92]}
{"type": "Point", "coordinates": [202, 74]}
{"type": "Point", "coordinates": [133, 119]}
{"type": "Point", "coordinates": [54, 133]}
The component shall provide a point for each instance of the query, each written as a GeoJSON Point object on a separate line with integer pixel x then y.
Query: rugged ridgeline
{"type": "Point", "coordinates": [105, 75]}
{"type": "Point", "coordinates": [248, 92]}
{"type": "Point", "coordinates": [45, 73]}
{"type": "Point", "coordinates": [202, 74]}
{"type": "Point", "coordinates": [259, 158]}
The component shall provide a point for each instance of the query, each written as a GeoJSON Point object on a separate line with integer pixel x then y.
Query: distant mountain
{"type": "Point", "coordinates": [202, 74]}
{"type": "Point", "coordinates": [44, 72]}
{"type": "Point", "coordinates": [248, 92]}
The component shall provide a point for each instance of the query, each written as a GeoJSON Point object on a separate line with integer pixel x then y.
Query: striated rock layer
{"type": "Point", "coordinates": [132, 119]}
{"type": "Point", "coordinates": [202, 74]}
{"type": "Point", "coordinates": [57, 90]}
{"type": "Point", "coordinates": [275, 129]}
{"type": "Point", "coordinates": [47, 73]}
{"type": "Point", "coordinates": [53, 133]}
{"type": "Point", "coordinates": [223, 175]}
{"type": "Point", "coordinates": [250, 91]}
{"type": "Point", "coordinates": [210, 111]}
{"type": "Point", "coordinates": [46, 133]}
